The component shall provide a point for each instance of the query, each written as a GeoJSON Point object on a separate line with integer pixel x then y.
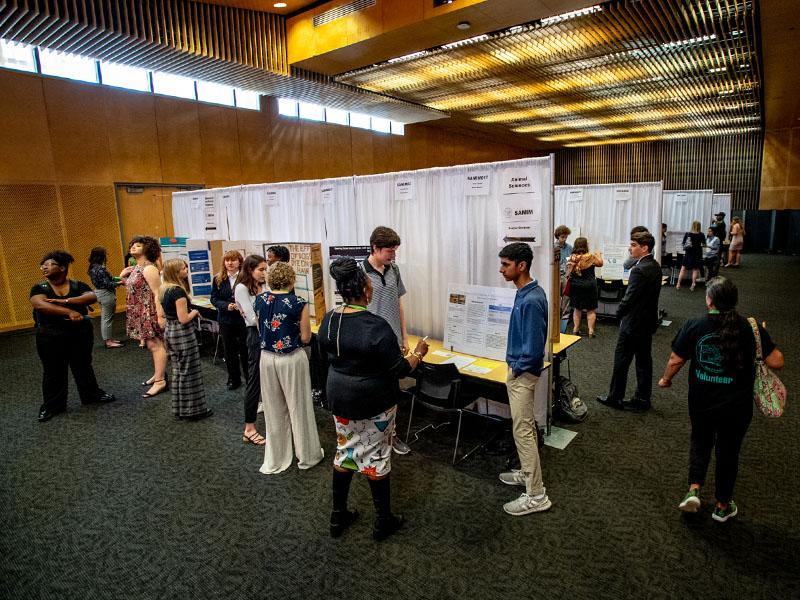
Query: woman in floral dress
{"type": "Point", "coordinates": [143, 308]}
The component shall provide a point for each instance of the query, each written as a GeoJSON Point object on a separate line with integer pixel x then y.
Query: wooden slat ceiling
{"type": "Point", "coordinates": [623, 71]}
{"type": "Point", "coordinates": [292, 6]}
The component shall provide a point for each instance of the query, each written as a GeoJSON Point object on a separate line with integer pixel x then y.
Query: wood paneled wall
{"type": "Point", "coordinates": [780, 174]}
{"type": "Point", "coordinates": [66, 144]}
{"type": "Point", "coordinates": [730, 164]}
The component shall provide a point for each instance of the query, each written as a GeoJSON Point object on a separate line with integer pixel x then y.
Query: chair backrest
{"type": "Point", "coordinates": [438, 384]}
{"type": "Point", "coordinates": [611, 290]}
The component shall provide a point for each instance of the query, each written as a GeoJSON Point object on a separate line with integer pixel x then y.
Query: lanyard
{"type": "Point", "coordinates": [355, 307]}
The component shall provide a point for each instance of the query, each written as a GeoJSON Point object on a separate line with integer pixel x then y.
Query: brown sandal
{"type": "Point", "coordinates": [254, 438]}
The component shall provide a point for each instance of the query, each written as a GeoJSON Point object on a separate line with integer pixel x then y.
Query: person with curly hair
{"type": "Point", "coordinates": [284, 326]}
{"type": "Point", "coordinates": [64, 335]}
{"type": "Point", "coordinates": [366, 364]}
{"type": "Point", "coordinates": [143, 307]}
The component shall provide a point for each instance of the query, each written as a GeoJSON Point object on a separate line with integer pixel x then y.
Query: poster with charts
{"type": "Point", "coordinates": [614, 257]}
{"type": "Point", "coordinates": [477, 320]}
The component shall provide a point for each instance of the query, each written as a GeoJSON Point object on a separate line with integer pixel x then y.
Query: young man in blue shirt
{"type": "Point", "coordinates": [527, 336]}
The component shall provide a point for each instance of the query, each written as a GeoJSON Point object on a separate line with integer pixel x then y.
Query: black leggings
{"type": "Point", "coordinates": [723, 428]}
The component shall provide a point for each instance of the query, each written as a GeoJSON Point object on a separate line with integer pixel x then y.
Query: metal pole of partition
{"type": "Point", "coordinates": [555, 313]}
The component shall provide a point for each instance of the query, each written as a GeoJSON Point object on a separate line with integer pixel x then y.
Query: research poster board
{"type": "Point", "coordinates": [614, 257]}
{"type": "Point", "coordinates": [306, 259]}
{"type": "Point", "coordinates": [200, 273]}
{"type": "Point", "coordinates": [357, 253]}
{"type": "Point", "coordinates": [675, 242]}
{"type": "Point", "coordinates": [173, 247]}
{"type": "Point", "coordinates": [477, 319]}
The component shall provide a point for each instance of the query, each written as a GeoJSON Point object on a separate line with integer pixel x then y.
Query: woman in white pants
{"type": "Point", "coordinates": [105, 288]}
{"type": "Point", "coordinates": [284, 326]}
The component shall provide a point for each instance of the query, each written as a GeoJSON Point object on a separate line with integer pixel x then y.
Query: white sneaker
{"type": "Point", "coordinates": [399, 446]}
{"type": "Point", "coordinates": [513, 477]}
{"type": "Point", "coordinates": [525, 504]}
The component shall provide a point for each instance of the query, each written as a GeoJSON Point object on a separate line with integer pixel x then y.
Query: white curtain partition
{"type": "Point", "coordinates": [448, 237]}
{"type": "Point", "coordinates": [682, 207]}
{"type": "Point", "coordinates": [720, 203]}
{"type": "Point", "coordinates": [606, 213]}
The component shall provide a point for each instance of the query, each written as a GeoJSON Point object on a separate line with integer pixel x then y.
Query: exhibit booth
{"type": "Point", "coordinates": [452, 221]}
{"type": "Point", "coordinates": [720, 203]}
{"type": "Point", "coordinates": [605, 214]}
{"type": "Point", "coordinates": [681, 209]}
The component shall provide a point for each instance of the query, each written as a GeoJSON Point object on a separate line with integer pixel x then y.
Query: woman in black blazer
{"type": "Point", "coordinates": [231, 324]}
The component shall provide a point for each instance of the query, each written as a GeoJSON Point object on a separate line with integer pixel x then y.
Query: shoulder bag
{"type": "Point", "coordinates": [769, 393]}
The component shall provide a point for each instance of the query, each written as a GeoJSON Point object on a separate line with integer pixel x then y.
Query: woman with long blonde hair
{"type": "Point", "coordinates": [188, 392]}
{"type": "Point", "coordinates": [231, 323]}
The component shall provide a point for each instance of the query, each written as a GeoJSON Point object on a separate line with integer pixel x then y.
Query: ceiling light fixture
{"type": "Point", "coordinates": [279, 5]}
{"type": "Point", "coordinates": [464, 25]}
{"type": "Point", "coordinates": [570, 15]}
{"type": "Point", "coordinates": [691, 41]}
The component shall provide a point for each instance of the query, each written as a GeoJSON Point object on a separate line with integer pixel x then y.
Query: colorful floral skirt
{"type": "Point", "coordinates": [365, 445]}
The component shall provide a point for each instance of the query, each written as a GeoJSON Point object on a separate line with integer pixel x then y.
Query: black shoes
{"type": "Point", "coordinates": [637, 405]}
{"type": "Point", "coordinates": [386, 526]}
{"type": "Point", "coordinates": [103, 398]}
{"type": "Point", "coordinates": [46, 415]}
{"type": "Point", "coordinates": [231, 385]}
{"type": "Point", "coordinates": [341, 520]}
{"type": "Point", "coordinates": [617, 404]}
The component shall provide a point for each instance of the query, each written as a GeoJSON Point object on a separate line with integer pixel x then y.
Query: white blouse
{"type": "Point", "coordinates": [245, 302]}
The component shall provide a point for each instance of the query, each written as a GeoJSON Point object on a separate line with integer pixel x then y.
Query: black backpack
{"type": "Point", "coordinates": [569, 405]}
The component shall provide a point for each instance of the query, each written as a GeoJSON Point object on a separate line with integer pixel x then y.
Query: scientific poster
{"type": "Point", "coordinates": [357, 253]}
{"type": "Point", "coordinates": [520, 207]}
{"type": "Point", "coordinates": [477, 320]}
{"type": "Point", "coordinates": [614, 255]}
{"type": "Point", "coordinates": [200, 269]}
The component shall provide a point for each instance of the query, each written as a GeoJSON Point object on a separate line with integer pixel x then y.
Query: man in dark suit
{"type": "Point", "coordinates": [638, 314]}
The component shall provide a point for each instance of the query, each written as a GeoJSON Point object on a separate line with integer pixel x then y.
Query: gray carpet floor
{"type": "Point", "coordinates": [123, 501]}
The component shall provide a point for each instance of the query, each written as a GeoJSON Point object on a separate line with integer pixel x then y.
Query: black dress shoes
{"type": "Point", "coordinates": [45, 414]}
{"type": "Point", "coordinates": [610, 402]}
{"type": "Point", "coordinates": [637, 405]}
{"type": "Point", "coordinates": [234, 385]}
{"type": "Point", "coordinates": [103, 398]}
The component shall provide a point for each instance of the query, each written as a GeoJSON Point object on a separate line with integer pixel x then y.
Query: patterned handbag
{"type": "Point", "coordinates": [769, 393]}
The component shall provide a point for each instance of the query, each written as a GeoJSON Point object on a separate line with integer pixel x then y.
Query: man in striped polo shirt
{"type": "Point", "coordinates": [387, 293]}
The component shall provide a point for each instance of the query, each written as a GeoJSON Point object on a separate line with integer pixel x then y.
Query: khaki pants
{"type": "Point", "coordinates": [288, 412]}
{"type": "Point", "coordinates": [521, 392]}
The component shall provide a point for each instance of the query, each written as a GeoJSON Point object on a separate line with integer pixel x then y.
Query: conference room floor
{"type": "Point", "coordinates": [124, 501]}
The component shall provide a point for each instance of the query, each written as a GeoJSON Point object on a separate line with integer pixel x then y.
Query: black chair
{"type": "Point", "coordinates": [438, 389]}
{"type": "Point", "coordinates": [609, 295]}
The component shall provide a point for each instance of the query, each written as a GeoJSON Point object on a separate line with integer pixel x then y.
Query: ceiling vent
{"type": "Point", "coordinates": [342, 11]}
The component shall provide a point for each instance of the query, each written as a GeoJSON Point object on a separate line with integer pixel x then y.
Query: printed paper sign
{"type": "Point", "coordinates": [520, 207]}
{"type": "Point", "coordinates": [404, 189]}
{"type": "Point", "coordinates": [477, 184]}
{"type": "Point", "coordinates": [575, 195]}
{"type": "Point", "coordinates": [623, 194]}
{"type": "Point", "coordinates": [271, 198]}
{"type": "Point", "coordinates": [211, 213]}
{"type": "Point", "coordinates": [326, 194]}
